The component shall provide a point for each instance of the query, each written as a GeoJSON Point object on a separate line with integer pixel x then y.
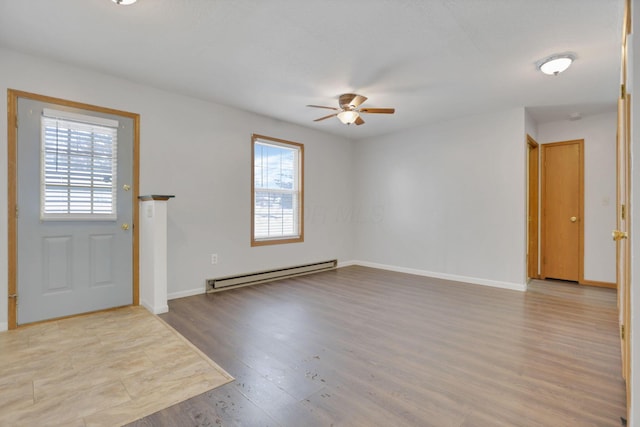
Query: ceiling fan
{"type": "Point", "coordinates": [349, 111]}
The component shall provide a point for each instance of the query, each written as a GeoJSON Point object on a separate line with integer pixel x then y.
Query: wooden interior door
{"type": "Point", "coordinates": [532, 215]}
{"type": "Point", "coordinates": [623, 213]}
{"type": "Point", "coordinates": [562, 210]}
{"type": "Point", "coordinates": [620, 234]}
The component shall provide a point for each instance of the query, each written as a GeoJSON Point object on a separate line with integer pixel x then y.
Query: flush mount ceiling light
{"type": "Point", "coordinates": [347, 117]}
{"type": "Point", "coordinates": [555, 64]}
{"type": "Point", "coordinates": [124, 2]}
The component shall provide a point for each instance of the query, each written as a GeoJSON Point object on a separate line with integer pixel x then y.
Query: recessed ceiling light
{"type": "Point", "coordinates": [124, 2]}
{"type": "Point", "coordinates": [555, 64]}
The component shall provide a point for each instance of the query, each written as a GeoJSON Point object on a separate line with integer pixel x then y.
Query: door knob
{"type": "Point", "coordinates": [573, 219]}
{"type": "Point", "coordinates": [618, 235]}
{"type": "Point", "coordinates": [125, 226]}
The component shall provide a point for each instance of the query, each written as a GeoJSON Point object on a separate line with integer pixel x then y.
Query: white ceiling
{"type": "Point", "coordinates": [430, 59]}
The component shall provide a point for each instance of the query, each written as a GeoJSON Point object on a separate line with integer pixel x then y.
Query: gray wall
{"type": "Point", "coordinates": [447, 200]}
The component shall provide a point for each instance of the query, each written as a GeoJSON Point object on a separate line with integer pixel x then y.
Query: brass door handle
{"type": "Point", "coordinates": [125, 226]}
{"type": "Point", "coordinates": [618, 235]}
{"type": "Point", "coordinates": [573, 219]}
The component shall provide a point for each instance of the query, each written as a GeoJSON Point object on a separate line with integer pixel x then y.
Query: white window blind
{"type": "Point", "coordinates": [277, 192]}
{"type": "Point", "coordinates": [78, 167]}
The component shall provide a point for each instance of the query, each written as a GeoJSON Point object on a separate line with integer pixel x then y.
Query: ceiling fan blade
{"type": "Point", "coordinates": [359, 121]}
{"type": "Point", "coordinates": [378, 110]}
{"type": "Point", "coordinates": [322, 106]}
{"type": "Point", "coordinates": [351, 99]}
{"type": "Point", "coordinates": [326, 117]}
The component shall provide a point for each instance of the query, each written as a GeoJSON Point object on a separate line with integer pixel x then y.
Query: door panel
{"type": "Point", "coordinates": [71, 266]}
{"type": "Point", "coordinates": [562, 210]}
{"type": "Point", "coordinates": [620, 235]}
{"type": "Point", "coordinates": [623, 210]}
{"type": "Point", "coordinates": [57, 261]}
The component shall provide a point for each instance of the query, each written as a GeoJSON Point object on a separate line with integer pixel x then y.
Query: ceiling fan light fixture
{"type": "Point", "coordinates": [124, 2]}
{"type": "Point", "coordinates": [350, 111]}
{"type": "Point", "coordinates": [348, 116]}
{"type": "Point", "coordinates": [556, 64]}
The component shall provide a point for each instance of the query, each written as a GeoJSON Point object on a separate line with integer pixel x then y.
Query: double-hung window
{"type": "Point", "coordinates": [78, 167]}
{"type": "Point", "coordinates": [277, 191]}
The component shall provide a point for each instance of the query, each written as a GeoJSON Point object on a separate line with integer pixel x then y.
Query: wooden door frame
{"type": "Point", "coordinates": [580, 143]}
{"type": "Point", "coordinates": [533, 236]}
{"type": "Point", "coordinates": [12, 194]}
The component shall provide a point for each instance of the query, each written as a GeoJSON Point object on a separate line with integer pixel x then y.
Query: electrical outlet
{"type": "Point", "coordinates": [214, 258]}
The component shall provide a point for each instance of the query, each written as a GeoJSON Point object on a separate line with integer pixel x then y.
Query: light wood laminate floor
{"type": "Point", "coordinates": [100, 369]}
{"type": "Point", "coordinates": [364, 347]}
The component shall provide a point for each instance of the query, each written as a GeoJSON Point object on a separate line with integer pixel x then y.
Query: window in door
{"type": "Point", "coordinates": [78, 167]}
{"type": "Point", "coordinates": [277, 191]}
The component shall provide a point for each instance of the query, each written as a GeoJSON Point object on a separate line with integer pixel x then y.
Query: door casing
{"type": "Point", "coordinates": [533, 213]}
{"type": "Point", "coordinates": [12, 197]}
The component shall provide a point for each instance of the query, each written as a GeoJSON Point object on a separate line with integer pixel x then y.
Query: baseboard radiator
{"type": "Point", "coordinates": [220, 283]}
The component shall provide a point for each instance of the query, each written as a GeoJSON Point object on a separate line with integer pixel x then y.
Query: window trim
{"type": "Point", "coordinates": [277, 240]}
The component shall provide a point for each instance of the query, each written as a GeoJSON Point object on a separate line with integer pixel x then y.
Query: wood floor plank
{"type": "Point", "coordinates": [360, 346]}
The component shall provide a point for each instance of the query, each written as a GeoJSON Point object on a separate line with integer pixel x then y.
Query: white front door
{"type": "Point", "coordinates": [74, 210]}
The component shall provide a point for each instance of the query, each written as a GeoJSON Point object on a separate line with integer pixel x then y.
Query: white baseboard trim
{"type": "Point", "coordinates": [346, 263]}
{"type": "Point", "coordinates": [155, 310]}
{"type": "Point", "coordinates": [4, 326]}
{"type": "Point", "coordinates": [473, 280]}
{"type": "Point", "coordinates": [188, 293]}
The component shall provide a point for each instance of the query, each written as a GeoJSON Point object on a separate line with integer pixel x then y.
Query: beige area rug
{"type": "Point", "coordinates": [102, 369]}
